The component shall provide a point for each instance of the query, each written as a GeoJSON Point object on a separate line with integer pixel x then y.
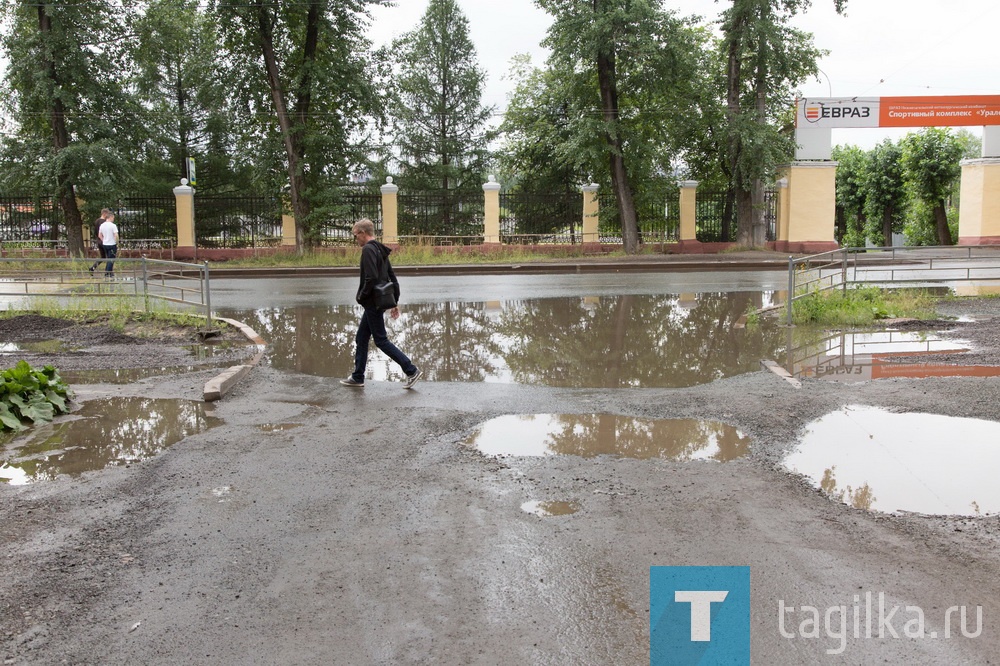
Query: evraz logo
{"type": "Point", "coordinates": [813, 112]}
{"type": "Point", "coordinates": [699, 615]}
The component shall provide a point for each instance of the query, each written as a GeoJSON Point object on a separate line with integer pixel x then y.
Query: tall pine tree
{"type": "Point", "coordinates": [441, 126]}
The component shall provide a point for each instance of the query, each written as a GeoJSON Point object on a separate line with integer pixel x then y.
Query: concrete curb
{"type": "Point", "coordinates": [220, 385]}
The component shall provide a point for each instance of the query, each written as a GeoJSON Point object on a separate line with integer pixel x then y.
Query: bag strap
{"type": "Point", "coordinates": [383, 269]}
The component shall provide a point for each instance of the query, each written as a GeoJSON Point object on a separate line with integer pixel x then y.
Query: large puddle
{"type": "Point", "coordinates": [878, 460]}
{"type": "Point", "coordinates": [672, 340]}
{"type": "Point", "coordinates": [105, 432]}
{"type": "Point", "coordinates": [589, 435]}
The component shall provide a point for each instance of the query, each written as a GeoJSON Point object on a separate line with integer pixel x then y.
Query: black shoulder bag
{"type": "Point", "coordinates": [385, 292]}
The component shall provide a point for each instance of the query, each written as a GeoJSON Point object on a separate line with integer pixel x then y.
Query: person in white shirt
{"type": "Point", "coordinates": [108, 235]}
{"type": "Point", "coordinates": [97, 241]}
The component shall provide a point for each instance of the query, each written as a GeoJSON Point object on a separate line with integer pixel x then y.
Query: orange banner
{"type": "Point", "coordinates": [955, 111]}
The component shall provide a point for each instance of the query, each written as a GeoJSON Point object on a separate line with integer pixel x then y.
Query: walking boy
{"type": "Point", "coordinates": [372, 325]}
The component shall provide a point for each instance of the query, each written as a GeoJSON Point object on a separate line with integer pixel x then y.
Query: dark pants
{"type": "Point", "coordinates": [110, 252]}
{"type": "Point", "coordinates": [100, 248]}
{"type": "Point", "coordinates": [373, 326]}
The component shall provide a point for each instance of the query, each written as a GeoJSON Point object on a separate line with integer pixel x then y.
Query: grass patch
{"type": "Point", "coordinates": [863, 306]}
{"type": "Point", "coordinates": [743, 248]}
{"type": "Point", "coordinates": [119, 313]}
{"type": "Point", "coordinates": [407, 255]}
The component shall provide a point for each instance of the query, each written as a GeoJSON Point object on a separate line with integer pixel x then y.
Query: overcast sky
{"type": "Point", "coordinates": [881, 47]}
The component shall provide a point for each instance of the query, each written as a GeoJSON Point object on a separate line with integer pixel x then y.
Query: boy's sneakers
{"type": "Point", "coordinates": [350, 382]}
{"type": "Point", "coordinates": [412, 379]}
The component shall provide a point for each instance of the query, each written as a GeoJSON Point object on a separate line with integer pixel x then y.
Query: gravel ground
{"type": "Point", "coordinates": [324, 525]}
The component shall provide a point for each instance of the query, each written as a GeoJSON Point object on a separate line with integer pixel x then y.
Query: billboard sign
{"type": "Point", "coordinates": [934, 111]}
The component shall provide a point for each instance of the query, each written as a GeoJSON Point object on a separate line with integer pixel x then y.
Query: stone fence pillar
{"type": "Point", "coordinates": [979, 207]}
{"type": "Point", "coordinates": [491, 211]}
{"type": "Point", "coordinates": [688, 201]}
{"type": "Point", "coordinates": [390, 212]}
{"type": "Point", "coordinates": [591, 215]}
{"type": "Point", "coordinates": [186, 243]}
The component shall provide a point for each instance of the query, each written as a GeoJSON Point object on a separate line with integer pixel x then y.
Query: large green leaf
{"type": "Point", "coordinates": [8, 419]}
{"type": "Point", "coordinates": [38, 409]}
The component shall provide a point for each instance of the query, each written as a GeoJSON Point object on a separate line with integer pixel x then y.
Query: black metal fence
{"type": "Point", "coordinates": [456, 216]}
{"type": "Point", "coordinates": [716, 216]}
{"type": "Point", "coordinates": [658, 216]}
{"type": "Point", "coordinates": [529, 218]}
{"type": "Point", "coordinates": [255, 221]}
{"type": "Point", "coordinates": [25, 218]}
{"type": "Point", "coordinates": [146, 218]}
{"type": "Point", "coordinates": [237, 221]}
{"type": "Point", "coordinates": [349, 207]}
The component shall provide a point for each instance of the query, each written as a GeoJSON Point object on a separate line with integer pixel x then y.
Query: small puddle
{"type": "Point", "coordinates": [102, 433]}
{"type": "Point", "coordinates": [881, 461]}
{"type": "Point", "coordinates": [278, 427]}
{"type": "Point", "coordinates": [550, 508]}
{"type": "Point", "coordinates": [590, 435]}
{"type": "Point", "coordinates": [37, 347]}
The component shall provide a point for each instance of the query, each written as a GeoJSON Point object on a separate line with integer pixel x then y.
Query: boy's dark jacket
{"type": "Point", "coordinates": [373, 254]}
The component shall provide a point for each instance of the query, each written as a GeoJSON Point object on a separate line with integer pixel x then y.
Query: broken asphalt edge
{"type": "Point", "coordinates": [221, 384]}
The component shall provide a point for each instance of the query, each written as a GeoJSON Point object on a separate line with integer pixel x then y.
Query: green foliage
{"type": "Point", "coordinates": [441, 124]}
{"type": "Point", "coordinates": [186, 109]}
{"type": "Point", "coordinates": [931, 159]}
{"type": "Point", "coordinates": [861, 306]}
{"type": "Point", "coordinates": [309, 91]}
{"type": "Point", "coordinates": [615, 103]}
{"type": "Point", "coordinates": [765, 59]}
{"type": "Point", "coordinates": [32, 395]}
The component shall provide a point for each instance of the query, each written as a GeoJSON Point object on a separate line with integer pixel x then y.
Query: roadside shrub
{"type": "Point", "coordinates": [862, 306]}
{"type": "Point", "coordinates": [32, 395]}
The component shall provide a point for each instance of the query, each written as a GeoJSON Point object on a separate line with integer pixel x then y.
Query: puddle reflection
{"type": "Point", "coordinates": [596, 342]}
{"type": "Point", "coordinates": [877, 460]}
{"type": "Point", "coordinates": [858, 357]}
{"type": "Point", "coordinates": [590, 435]}
{"type": "Point", "coordinates": [105, 432]}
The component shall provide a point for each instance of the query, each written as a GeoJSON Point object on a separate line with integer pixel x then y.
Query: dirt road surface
{"type": "Point", "coordinates": [326, 525]}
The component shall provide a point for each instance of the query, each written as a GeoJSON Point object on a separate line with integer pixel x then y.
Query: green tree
{"type": "Point", "coordinates": [72, 119]}
{"type": "Point", "coordinates": [931, 159]}
{"type": "Point", "coordinates": [440, 121]}
{"type": "Point", "coordinates": [308, 67]}
{"type": "Point", "coordinates": [885, 192]}
{"type": "Point", "coordinates": [536, 154]}
{"type": "Point", "coordinates": [185, 104]}
{"type": "Point", "coordinates": [765, 58]}
{"type": "Point", "coordinates": [628, 66]}
{"type": "Point", "coordinates": [852, 171]}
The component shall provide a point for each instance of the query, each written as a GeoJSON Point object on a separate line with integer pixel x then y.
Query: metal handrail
{"type": "Point", "coordinates": [150, 279]}
{"type": "Point", "coordinates": [890, 265]}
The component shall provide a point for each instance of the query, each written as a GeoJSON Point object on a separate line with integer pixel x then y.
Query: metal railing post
{"type": "Point", "coordinates": [791, 287]}
{"type": "Point", "coordinates": [207, 298]}
{"type": "Point", "coordinates": [843, 270]}
{"type": "Point", "coordinates": [145, 283]}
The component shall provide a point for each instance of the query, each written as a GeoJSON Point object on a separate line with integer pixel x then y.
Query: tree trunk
{"type": "Point", "coordinates": [60, 142]}
{"type": "Point", "coordinates": [887, 227]}
{"type": "Point", "coordinates": [290, 137]}
{"type": "Point", "coordinates": [734, 80]}
{"type": "Point", "coordinates": [744, 214]}
{"type": "Point", "coordinates": [941, 218]}
{"type": "Point", "coordinates": [607, 80]}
